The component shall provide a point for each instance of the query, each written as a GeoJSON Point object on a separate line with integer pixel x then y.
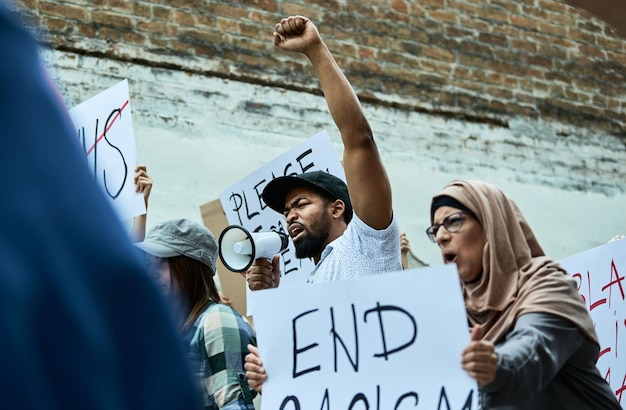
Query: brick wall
{"type": "Point", "coordinates": [486, 60]}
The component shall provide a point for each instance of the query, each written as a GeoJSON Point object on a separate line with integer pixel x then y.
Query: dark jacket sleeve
{"type": "Point", "coordinates": [531, 355]}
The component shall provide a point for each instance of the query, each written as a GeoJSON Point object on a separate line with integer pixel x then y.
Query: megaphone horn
{"type": "Point", "coordinates": [238, 248]}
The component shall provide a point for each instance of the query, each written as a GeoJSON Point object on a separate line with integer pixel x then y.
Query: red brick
{"type": "Point", "coordinates": [562, 19]}
{"type": "Point", "coordinates": [612, 44]}
{"type": "Point", "coordinates": [554, 6]}
{"type": "Point", "coordinates": [290, 9]}
{"type": "Point", "coordinates": [400, 5]}
{"type": "Point", "coordinates": [525, 45]}
{"type": "Point", "coordinates": [524, 22]}
{"type": "Point", "coordinates": [366, 52]}
{"type": "Point", "coordinates": [109, 34]}
{"type": "Point", "coordinates": [266, 5]}
{"type": "Point", "coordinates": [577, 34]}
{"type": "Point", "coordinates": [180, 46]}
{"type": "Point", "coordinates": [475, 24]}
{"type": "Point", "coordinates": [141, 9]}
{"type": "Point", "coordinates": [162, 13]}
{"type": "Point", "coordinates": [28, 4]}
{"type": "Point", "coordinates": [501, 93]}
{"type": "Point", "coordinates": [494, 14]}
{"type": "Point", "coordinates": [85, 30]}
{"type": "Point", "coordinates": [110, 19]}
{"type": "Point", "coordinates": [471, 47]}
{"type": "Point", "coordinates": [119, 4]}
{"type": "Point", "coordinates": [227, 25]}
{"type": "Point", "coordinates": [618, 58]}
{"type": "Point", "coordinates": [206, 20]}
{"type": "Point", "coordinates": [592, 51]}
{"type": "Point", "coordinates": [521, 110]}
{"type": "Point", "coordinates": [539, 61]}
{"type": "Point", "coordinates": [493, 39]}
{"type": "Point", "coordinates": [444, 16]}
{"type": "Point", "coordinates": [262, 17]}
{"type": "Point", "coordinates": [433, 3]}
{"type": "Point", "coordinates": [135, 38]}
{"type": "Point", "coordinates": [365, 66]}
{"type": "Point", "coordinates": [158, 28]}
{"type": "Point", "coordinates": [332, 5]}
{"type": "Point", "coordinates": [535, 13]}
{"type": "Point", "coordinates": [62, 10]}
{"type": "Point", "coordinates": [204, 51]}
{"type": "Point", "coordinates": [469, 10]}
{"type": "Point", "coordinates": [57, 25]}
{"type": "Point", "coordinates": [184, 18]}
{"type": "Point", "coordinates": [202, 36]}
{"type": "Point", "coordinates": [555, 29]}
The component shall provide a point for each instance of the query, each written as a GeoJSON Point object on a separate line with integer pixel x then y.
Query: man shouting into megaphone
{"type": "Point", "coordinates": [348, 230]}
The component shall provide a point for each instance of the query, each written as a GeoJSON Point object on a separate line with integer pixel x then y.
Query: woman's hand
{"type": "Point", "coordinates": [255, 372]}
{"type": "Point", "coordinates": [143, 182]}
{"type": "Point", "coordinates": [479, 358]}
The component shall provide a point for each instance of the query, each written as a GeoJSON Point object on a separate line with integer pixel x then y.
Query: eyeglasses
{"type": "Point", "coordinates": [452, 223]}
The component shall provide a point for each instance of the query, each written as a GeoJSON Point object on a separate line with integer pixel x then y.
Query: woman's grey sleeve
{"type": "Point", "coordinates": [530, 356]}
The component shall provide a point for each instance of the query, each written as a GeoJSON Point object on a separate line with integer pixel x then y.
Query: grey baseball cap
{"type": "Point", "coordinates": [181, 237]}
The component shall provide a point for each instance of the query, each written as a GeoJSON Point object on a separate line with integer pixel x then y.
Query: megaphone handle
{"type": "Point", "coordinates": [264, 273]}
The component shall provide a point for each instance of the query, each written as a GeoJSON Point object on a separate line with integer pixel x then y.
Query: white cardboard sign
{"type": "Point", "coordinates": [387, 341]}
{"type": "Point", "coordinates": [104, 129]}
{"type": "Point", "coordinates": [601, 277]}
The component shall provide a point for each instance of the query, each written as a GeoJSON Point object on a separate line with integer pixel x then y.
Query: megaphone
{"type": "Point", "coordinates": [238, 248]}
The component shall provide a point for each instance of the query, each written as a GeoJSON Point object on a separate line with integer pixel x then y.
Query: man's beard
{"type": "Point", "coordinates": [311, 244]}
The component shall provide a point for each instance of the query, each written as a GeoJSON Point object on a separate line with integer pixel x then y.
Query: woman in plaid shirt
{"type": "Point", "coordinates": [182, 255]}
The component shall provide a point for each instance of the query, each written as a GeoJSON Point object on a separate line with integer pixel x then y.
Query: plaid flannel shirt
{"type": "Point", "coordinates": [216, 348]}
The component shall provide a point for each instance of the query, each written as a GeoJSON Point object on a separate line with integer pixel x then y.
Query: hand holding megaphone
{"type": "Point", "coordinates": [238, 247]}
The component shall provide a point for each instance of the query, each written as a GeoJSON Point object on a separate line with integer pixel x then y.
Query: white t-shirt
{"type": "Point", "coordinates": [360, 251]}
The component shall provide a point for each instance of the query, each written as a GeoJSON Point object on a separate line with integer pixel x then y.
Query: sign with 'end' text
{"type": "Point", "coordinates": [381, 342]}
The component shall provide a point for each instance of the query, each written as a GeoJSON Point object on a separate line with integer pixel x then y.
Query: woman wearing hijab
{"type": "Point", "coordinates": [533, 344]}
{"type": "Point", "coordinates": [182, 255]}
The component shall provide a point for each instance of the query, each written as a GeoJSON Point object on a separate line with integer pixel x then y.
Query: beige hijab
{"type": "Point", "coordinates": [517, 277]}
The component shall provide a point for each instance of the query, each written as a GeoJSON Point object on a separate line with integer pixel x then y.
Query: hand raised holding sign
{"type": "Point", "coordinates": [143, 182]}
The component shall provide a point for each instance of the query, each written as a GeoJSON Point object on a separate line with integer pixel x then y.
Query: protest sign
{"type": "Point", "coordinates": [105, 131]}
{"type": "Point", "coordinates": [243, 205]}
{"type": "Point", "coordinates": [233, 285]}
{"type": "Point", "coordinates": [387, 341]}
{"type": "Point", "coordinates": [600, 275]}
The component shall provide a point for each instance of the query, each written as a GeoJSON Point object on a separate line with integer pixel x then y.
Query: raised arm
{"type": "Point", "coordinates": [368, 184]}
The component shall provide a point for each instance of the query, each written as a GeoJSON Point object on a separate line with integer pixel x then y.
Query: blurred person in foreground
{"type": "Point", "coordinates": [76, 304]}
